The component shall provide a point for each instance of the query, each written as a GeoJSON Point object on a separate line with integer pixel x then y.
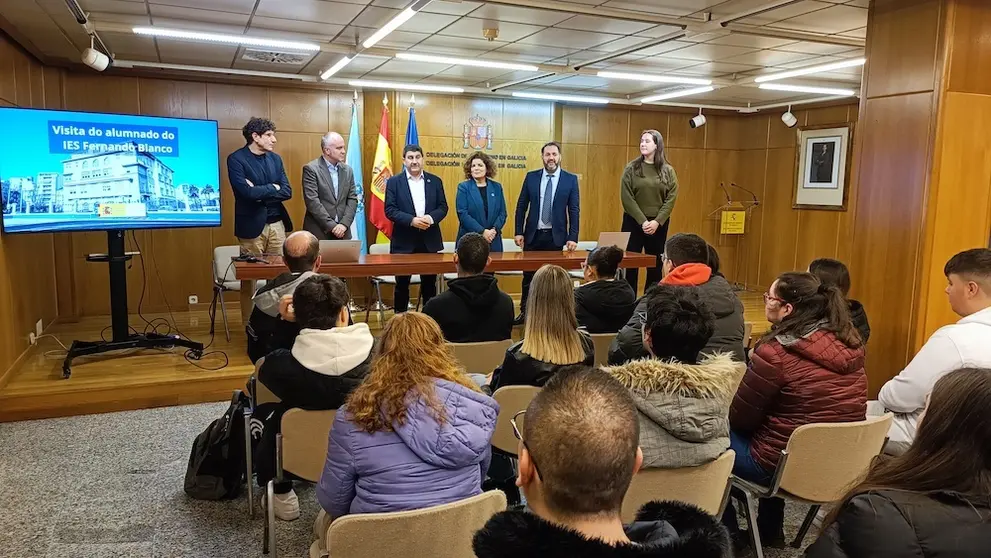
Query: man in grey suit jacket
{"type": "Point", "coordinates": [329, 192]}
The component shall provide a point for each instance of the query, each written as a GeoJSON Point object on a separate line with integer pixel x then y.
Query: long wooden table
{"type": "Point", "coordinates": [423, 264]}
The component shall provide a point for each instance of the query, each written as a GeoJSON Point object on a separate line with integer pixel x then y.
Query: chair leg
{"type": "Point", "coordinates": [378, 293]}
{"type": "Point", "coordinates": [806, 525]}
{"type": "Point", "coordinates": [249, 466]}
{"type": "Point", "coordinates": [750, 511]}
{"type": "Point", "coordinates": [223, 311]}
{"type": "Point", "coordinates": [268, 543]}
{"type": "Point", "coordinates": [368, 309]}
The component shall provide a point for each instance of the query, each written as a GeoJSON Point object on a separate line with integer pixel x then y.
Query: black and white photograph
{"type": "Point", "coordinates": [822, 167]}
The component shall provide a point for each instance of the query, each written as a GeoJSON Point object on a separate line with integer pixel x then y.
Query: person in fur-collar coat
{"type": "Point", "coordinates": [575, 485]}
{"type": "Point", "coordinates": [683, 402]}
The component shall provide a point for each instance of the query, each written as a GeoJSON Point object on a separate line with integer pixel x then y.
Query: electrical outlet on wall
{"type": "Point", "coordinates": [193, 299]}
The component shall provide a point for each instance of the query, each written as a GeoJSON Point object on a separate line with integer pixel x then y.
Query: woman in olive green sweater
{"type": "Point", "coordinates": [649, 189]}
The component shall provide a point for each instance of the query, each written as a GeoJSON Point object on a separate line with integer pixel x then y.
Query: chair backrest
{"type": "Point", "coordinates": [748, 331]}
{"type": "Point", "coordinates": [262, 393]}
{"type": "Point", "coordinates": [223, 272]}
{"type": "Point", "coordinates": [509, 245]}
{"type": "Point", "coordinates": [482, 357]}
{"type": "Point", "coordinates": [825, 460]}
{"type": "Point", "coordinates": [443, 531]}
{"type": "Point", "coordinates": [704, 486]}
{"type": "Point", "coordinates": [379, 248]}
{"type": "Point", "coordinates": [602, 342]}
{"type": "Point", "coordinates": [305, 435]}
{"type": "Point", "coordinates": [511, 400]}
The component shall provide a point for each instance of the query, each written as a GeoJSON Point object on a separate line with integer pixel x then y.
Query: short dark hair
{"type": "Point", "coordinates": [473, 253]}
{"type": "Point", "coordinates": [550, 143]}
{"type": "Point", "coordinates": [685, 248]}
{"type": "Point", "coordinates": [975, 263]}
{"type": "Point", "coordinates": [303, 261]}
{"type": "Point", "coordinates": [713, 262]}
{"type": "Point", "coordinates": [680, 324]}
{"type": "Point", "coordinates": [490, 168]}
{"type": "Point", "coordinates": [583, 430]}
{"type": "Point", "coordinates": [257, 126]}
{"type": "Point", "coordinates": [831, 272]}
{"type": "Point", "coordinates": [318, 300]}
{"type": "Point", "coordinates": [605, 260]}
{"type": "Point", "coordinates": [412, 147]}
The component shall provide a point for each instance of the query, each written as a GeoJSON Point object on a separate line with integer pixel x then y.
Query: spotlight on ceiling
{"type": "Point", "coordinates": [789, 119]}
{"type": "Point", "coordinates": [94, 58]}
{"type": "Point", "coordinates": [697, 121]}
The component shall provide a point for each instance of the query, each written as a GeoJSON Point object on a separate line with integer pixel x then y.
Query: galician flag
{"type": "Point", "coordinates": [353, 160]}
{"type": "Point", "coordinates": [381, 172]}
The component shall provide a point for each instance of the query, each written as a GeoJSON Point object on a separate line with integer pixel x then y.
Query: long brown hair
{"type": "Point", "coordinates": [411, 354]}
{"type": "Point", "coordinates": [660, 161]}
{"type": "Point", "coordinates": [813, 302]}
{"type": "Point", "coordinates": [952, 447]}
{"type": "Point", "coordinates": [551, 330]}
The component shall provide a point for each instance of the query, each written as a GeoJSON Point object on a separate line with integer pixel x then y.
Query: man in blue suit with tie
{"type": "Point", "coordinates": [416, 204]}
{"type": "Point", "coordinates": [547, 212]}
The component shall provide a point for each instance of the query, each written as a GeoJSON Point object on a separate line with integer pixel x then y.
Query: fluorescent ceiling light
{"type": "Point", "coordinates": [568, 98]}
{"type": "Point", "coordinates": [655, 78]}
{"type": "Point", "coordinates": [812, 70]}
{"type": "Point", "coordinates": [404, 86]}
{"type": "Point", "coordinates": [225, 39]}
{"type": "Point", "coordinates": [804, 89]}
{"type": "Point", "coordinates": [466, 62]}
{"type": "Point", "coordinates": [336, 67]}
{"type": "Point", "coordinates": [679, 93]}
{"type": "Point", "coordinates": [393, 24]}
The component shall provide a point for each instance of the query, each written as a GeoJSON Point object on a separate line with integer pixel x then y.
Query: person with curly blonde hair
{"type": "Point", "coordinates": [416, 433]}
{"type": "Point", "coordinates": [480, 201]}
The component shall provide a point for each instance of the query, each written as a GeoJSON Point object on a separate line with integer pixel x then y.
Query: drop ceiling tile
{"type": "Point", "coordinates": [203, 16]}
{"type": "Point", "coordinates": [475, 74]}
{"type": "Point", "coordinates": [664, 48]}
{"type": "Point", "coordinates": [859, 3]}
{"type": "Point", "coordinates": [516, 52]}
{"type": "Point", "coordinates": [567, 38]}
{"type": "Point", "coordinates": [199, 54]}
{"type": "Point", "coordinates": [397, 39]}
{"type": "Point", "coordinates": [820, 48]}
{"type": "Point", "coordinates": [604, 25]}
{"type": "Point", "coordinates": [717, 69]}
{"type": "Point", "coordinates": [309, 10]}
{"type": "Point", "coordinates": [620, 44]}
{"type": "Point", "coordinates": [706, 52]}
{"type": "Point", "coordinates": [448, 80]}
{"type": "Point", "coordinates": [856, 70]}
{"type": "Point", "coordinates": [663, 7]}
{"type": "Point", "coordinates": [128, 45]}
{"type": "Point", "coordinates": [112, 6]}
{"type": "Point", "coordinates": [659, 31]}
{"type": "Point", "coordinates": [420, 23]}
{"type": "Point", "coordinates": [834, 19]}
{"type": "Point", "coordinates": [764, 18]}
{"type": "Point", "coordinates": [273, 26]}
{"type": "Point", "coordinates": [233, 6]}
{"type": "Point", "coordinates": [519, 15]}
{"type": "Point", "coordinates": [198, 26]}
{"type": "Point", "coordinates": [472, 28]}
{"type": "Point", "coordinates": [128, 19]}
{"type": "Point", "coordinates": [653, 65]}
{"type": "Point", "coordinates": [457, 46]}
{"type": "Point", "coordinates": [408, 69]}
{"type": "Point", "coordinates": [770, 58]}
{"type": "Point", "coordinates": [860, 33]}
{"type": "Point", "coordinates": [450, 8]}
{"type": "Point", "coordinates": [749, 41]}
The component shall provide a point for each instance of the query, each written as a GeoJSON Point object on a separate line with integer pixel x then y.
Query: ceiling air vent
{"type": "Point", "coordinates": [273, 57]}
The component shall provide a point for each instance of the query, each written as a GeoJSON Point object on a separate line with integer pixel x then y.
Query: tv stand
{"type": "Point", "coordinates": [122, 338]}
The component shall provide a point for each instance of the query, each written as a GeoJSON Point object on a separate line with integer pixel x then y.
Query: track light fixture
{"type": "Point", "coordinates": [789, 119]}
{"type": "Point", "coordinates": [698, 120]}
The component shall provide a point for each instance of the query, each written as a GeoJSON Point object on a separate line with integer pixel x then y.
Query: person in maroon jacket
{"type": "Point", "coordinates": [809, 368]}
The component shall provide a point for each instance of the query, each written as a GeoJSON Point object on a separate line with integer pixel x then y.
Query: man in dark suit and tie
{"type": "Point", "coordinates": [547, 212]}
{"type": "Point", "coordinates": [416, 204]}
{"type": "Point", "coordinates": [329, 192]}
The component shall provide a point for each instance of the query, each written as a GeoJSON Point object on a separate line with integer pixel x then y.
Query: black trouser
{"type": "Point", "coordinates": [652, 244]}
{"type": "Point", "coordinates": [543, 241]}
{"type": "Point", "coordinates": [428, 285]}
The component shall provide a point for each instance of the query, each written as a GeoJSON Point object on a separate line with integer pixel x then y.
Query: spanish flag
{"type": "Point", "coordinates": [381, 172]}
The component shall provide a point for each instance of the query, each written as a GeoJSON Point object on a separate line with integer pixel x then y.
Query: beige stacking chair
{"type": "Point", "coordinates": [300, 449]}
{"type": "Point", "coordinates": [706, 486]}
{"type": "Point", "coordinates": [819, 465]}
{"type": "Point", "coordinates": [481, 358]}
{"type": "Point", "coordinates": [511, 400]}
{"type": "Point", "coordinates": [602, 342]}
{"type": "Point", "coordinates": [443, 531]}
{"type": "Point", "coordinates": [748, 332]}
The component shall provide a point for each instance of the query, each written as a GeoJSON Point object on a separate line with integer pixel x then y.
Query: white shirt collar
{"type": "Point", "coordinates": [422, 177]}
{"type": "Point", "coordinates": [556, 174]}
{"type": "Point", "coordinates": [335, 166]}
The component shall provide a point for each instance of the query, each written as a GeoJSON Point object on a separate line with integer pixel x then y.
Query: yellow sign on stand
{"type": "Point", "coordinates": [733, 222]}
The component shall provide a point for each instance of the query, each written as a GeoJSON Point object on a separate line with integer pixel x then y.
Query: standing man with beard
{"type": "Point", "coordinates": [547, 212]}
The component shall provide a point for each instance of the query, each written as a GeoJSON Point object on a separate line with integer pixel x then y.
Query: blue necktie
{"type": "Point", "coordinates": [545, 210]}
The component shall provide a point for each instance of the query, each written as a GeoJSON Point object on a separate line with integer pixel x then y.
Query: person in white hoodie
{"type": "Point", "coordinates": [965, 344]}
{"type": "Point", "coordinates": [328, 360]}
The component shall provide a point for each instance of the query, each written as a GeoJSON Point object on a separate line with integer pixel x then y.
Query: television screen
{"type": "Point", "coordinates": [80, 171]}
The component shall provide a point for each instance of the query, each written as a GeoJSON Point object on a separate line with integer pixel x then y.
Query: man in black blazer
{"type": "Point", "coordinates": [547, 212]}
{"type": "Point", "coordinates": [416, 204]}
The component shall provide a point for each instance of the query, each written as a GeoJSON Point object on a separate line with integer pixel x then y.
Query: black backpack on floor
{"type": "Point", "coordinates": [217, 461]}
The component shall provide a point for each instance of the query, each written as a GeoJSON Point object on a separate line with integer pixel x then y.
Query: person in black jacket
{"type": "Point", "coordinates": [551, 338]}
{"type": "Point", "coordinates": [267, 330]}
{"type": "Point", "coordinates": [603, 304]}
{"type": "Point", "coordinates": [578, 455]}
{"type": "Point", "coordinates": [933, 501]}
{"type": "Point", "coordinates": [473, 308]}
{"type": "Point", "coordinates": [835, 272]}
{"type": "Point", "coordinates": [328, 360]}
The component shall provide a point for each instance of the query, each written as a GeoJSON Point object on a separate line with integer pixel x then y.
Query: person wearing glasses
{"type": "Point", "coordinates": [416, 433]}
{"type": "Point", "coordinates": [578, 454]}
{"type": "Point", "coordinates": [603, 304]}
{"type": "Point", "coordinates": [683, 397]}
{"type": "Point", "coordinates": [809, 368]}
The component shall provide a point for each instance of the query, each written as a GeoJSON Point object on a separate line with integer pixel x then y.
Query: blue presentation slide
{"type": "Point", "coordinates": [80, 171]}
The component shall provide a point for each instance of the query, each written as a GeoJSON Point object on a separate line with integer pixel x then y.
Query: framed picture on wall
{"type": "Point", "coordinates": [823, 167]}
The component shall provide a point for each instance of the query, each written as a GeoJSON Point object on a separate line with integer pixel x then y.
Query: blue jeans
{"type": "Point", "coordinates": [770, 511]}
{"type": "Point", "coordinates": [745, 466]}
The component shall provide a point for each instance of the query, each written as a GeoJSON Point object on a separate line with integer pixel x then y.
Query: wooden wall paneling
{"type": "Point", "coordinates": [65, 262]}
{"type": "Point", "coordinates": [8, 90]}
{"type": "Point", "coordinates": [753, 131]}
{"type": "Point", "coordinates": [37, 73]}
{"type": "Point", "coordinates": [610, 126]}
{"type": "Point", "coordinates": [53, 88]}
{"type": "Point", "coordinates": [602, 208]}
{"type": "Point", "coordinates": [817, 236]}
{"type": "Point", "coordinates": [229, 141]}
{"type": "Point", "coordinates": [98, 93]}
{"type": "Point", "coordinates": [752, 175]}
{"type": "Point", "coordinates": [970, 42]}
{"type": "Point", "coordinates": [172, 98]}
{"type": "Point", "coordinates": [780, 221]}
{"type": "Point", "coordinates": [339, 113]}
{"type": "Point", "coordinates": [22, 78]}
{"type": "Point", "coordinates": [723, 132]}
{"type": "Point", "coordinates": [643, 119]}
{"type": "Point", "coordinates": [680, 134]}
{"type": "Point", "coordinates": [300, 110]}
{"type": "Point", "coordinates": [434, 117]}
{"type": "Point", "coordinates": [574, 125]}
{"type": "Point", "coordinates": [904, 46]}
{"type": "Point", "coordinates": [512, 179]}
{"type": "Point", "coordinates": [689, 164]}
{"type": "Point", "coordinates": [779, 135]}
{"type": "Point", "coordinates": [721, 166]}
{"type": "Point", "coordinates": [297, 149]}
{"type": "Point", "coordinates": [464, 108]}
{"type": "Point", "coordinates": [233, 105]}
{"type": "Point", "coordinates": [530, 120]}
{"type": "Point", "coordinates": [827, 115]}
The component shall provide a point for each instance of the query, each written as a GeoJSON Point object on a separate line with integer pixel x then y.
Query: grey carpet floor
{"type": "Point", "coordinates": [109, 486]}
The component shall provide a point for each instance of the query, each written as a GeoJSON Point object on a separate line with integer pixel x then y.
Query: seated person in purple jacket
{"type": "Point", "coordinates": [416, 433]}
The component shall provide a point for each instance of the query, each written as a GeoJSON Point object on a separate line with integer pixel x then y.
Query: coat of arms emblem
{"type": "Point", "coordinates": [478, 133]}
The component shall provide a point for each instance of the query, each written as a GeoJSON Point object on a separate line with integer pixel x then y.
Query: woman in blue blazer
{"type": "Point", "coordinates": [480, 202]}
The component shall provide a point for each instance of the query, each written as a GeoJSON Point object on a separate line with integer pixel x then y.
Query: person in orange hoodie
{"type": "Point", "coordinates": [688, 262]}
